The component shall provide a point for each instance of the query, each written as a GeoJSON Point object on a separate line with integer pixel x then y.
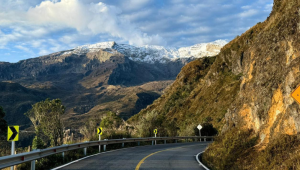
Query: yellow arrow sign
{"type": "Point", "coordinates": [13, 133]}
{"type": "Point", "coordinates": [296, 94]}
{"type": "Point", "coordinates": [155, 131]}
{"type": "Point", "coordinates": [99, 131]}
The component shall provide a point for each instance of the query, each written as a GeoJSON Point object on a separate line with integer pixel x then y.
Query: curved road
{"type": "Point", "coordinates": [163, 157]}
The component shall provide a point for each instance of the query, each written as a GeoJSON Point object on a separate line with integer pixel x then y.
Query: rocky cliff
{"type": "Point", "coordinates": [245, 94]}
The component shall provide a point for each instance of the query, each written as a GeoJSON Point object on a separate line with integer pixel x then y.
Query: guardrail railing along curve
{"type": "Point", "coordinates": [11, 160]}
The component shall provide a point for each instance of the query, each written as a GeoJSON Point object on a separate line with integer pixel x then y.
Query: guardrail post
{"type": "Point", "coordinates": [176, 141]}
{"type": "Point", "coordinates": [99, 145]}
{"type": "Point", "coordinates": [123, 143]}
{"type": "Point", "coordinates": [33, 162]}
{"type": "Point", "coordinates": [63, 155]}
{"type": "Point", "coordinates": [104, 146]}
{"type": "Point", "coordinates": [152, 142]}
{"type": "Point", "coordinates": [204, 139]}
{"type": "Point", "coordinates": [33, 165]}
{"type": "Point", "coordinates": [84, 150]}
{"type": "Point", "coordinates": [165, 141]}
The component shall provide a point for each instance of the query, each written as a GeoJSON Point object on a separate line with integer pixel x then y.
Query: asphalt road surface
{"type": "Point", "coordinates": [178, 156]}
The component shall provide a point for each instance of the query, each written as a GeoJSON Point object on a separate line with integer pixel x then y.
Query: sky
{"type": "Point", "coordinates": [34, 28]}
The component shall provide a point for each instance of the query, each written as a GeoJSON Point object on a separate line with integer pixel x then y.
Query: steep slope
{"type": "Point", "coordinates": [245, 95]}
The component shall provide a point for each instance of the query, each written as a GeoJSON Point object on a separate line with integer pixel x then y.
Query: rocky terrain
{"type": "Point", "coordinates": [244, 93]}
{"type": "Point", "coordinates": [93, 79]}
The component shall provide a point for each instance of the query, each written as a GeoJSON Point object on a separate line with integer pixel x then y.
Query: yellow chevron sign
{"type": "Point", "coordinates": [296, 94]}
{"type": "Point", "coordinates": [99, 131]}
{"type": "Point", "coordinates": [13, 133]}
{"type": "Point", "coordinates": [155, 131]}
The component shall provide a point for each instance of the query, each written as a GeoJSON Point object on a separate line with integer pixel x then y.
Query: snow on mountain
{"type": "Point", "coordinates": [151, 53]}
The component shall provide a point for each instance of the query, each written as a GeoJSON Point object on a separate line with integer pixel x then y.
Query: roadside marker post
{"type": "Point", "coordinates": [12, 151]}
{"type": "Point", "coordinates": [200, 127]}
{"type": "Point", "coordinates": [12, 136]}
{"type": "Point", "coordinates": [155, 132]}
{"type": "Point", "coordinates": [99, 132]}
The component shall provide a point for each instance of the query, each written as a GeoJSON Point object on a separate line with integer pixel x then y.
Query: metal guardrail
{"type": "Point", "coordinates": [7, 161]}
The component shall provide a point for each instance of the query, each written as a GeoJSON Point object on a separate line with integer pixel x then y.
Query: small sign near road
{"type": "Point", "coordinates": [99, 131]}
{"type": "Point", "coordinates": [155, 131]}
{"type": "Point", "coordinates": [296, 94]}
{"type": "Point", "coordinates": [199, 127]}
{"type": "Point", "coordinates": [13, 133]}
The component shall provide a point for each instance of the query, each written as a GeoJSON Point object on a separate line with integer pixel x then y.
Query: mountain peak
{"type": "Point", "coordinates": [152, 53]}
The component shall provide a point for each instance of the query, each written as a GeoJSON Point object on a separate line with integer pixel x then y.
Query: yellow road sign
{"type": "Point", "coordinates": [13, 133]}
{"type": "Point", "coordinates": [99, 131]}
{"type": "Point", "coordinates": [155, 131]}
{"type": "Point", "coordinates": [296, 94]}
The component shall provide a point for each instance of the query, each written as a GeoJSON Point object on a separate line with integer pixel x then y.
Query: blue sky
{"type": "Point", "coordinates": [34, 28]}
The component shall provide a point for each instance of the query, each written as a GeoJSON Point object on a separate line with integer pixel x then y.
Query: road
{"type": "Point", "coordinates": [160, 157]}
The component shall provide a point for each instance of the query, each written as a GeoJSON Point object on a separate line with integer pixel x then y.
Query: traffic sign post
{"type": "Point", "coordinates": [199, 127]}
{"type": "Point", "coordinates": [155, 132]}
{"type": "Point", "coordinates": [12, 136]}
{"type": "Point", "coordinates": [99, 132]}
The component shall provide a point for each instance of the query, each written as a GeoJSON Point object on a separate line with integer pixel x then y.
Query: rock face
{"type": "Point", "coordinates": [246, 95]}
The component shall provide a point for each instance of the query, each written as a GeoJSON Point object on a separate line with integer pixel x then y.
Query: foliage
{"type": "Point", "coordinates": [228, 147]}
{"type": "Point", "coordinates": [38, 143]}
{"type": "Point", "coordinates": [4, 147]}
{"type": "Point", "coordinates": [111, 121]}
{"type": "Point", "coordinates": [3, 124]}
{"type": "Point", "coordinates": [46, 118]}
{"type": "Point", "coordinates": [89, 129]}
{"type": "Point", "coordinates": [281, 153]}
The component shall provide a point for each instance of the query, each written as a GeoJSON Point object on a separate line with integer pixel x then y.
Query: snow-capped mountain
{"type": "Point", "coordinates": [151, 53]}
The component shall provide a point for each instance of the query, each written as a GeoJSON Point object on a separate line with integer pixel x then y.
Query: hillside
{"type": "Point", "coordinates": [92, 79]}
{"type": "Point", "coordinates": [245, 94]}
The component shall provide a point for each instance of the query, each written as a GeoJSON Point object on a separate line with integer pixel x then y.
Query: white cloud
{"type": "Point", "coordinates": [24, 48]}
{"type": "Point", "coordinates": [87, 19]}
{"type": "Point", "coordinates": [248, 13]}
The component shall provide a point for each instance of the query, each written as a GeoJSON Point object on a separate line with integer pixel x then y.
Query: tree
{"type": "Point", "coordinates": [46, 118]}
{"type": "Point", "coordinates": [4, 145]}
{"type": "Point", "coordinates": [3, 125]}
